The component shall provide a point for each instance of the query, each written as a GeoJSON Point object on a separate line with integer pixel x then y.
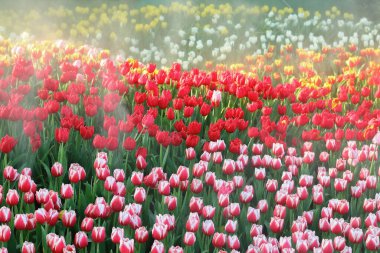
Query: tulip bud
{"type": "Point", "coordinates": [28, 247]}
{"type": "Point", "coordinates": [141, 235]}
{"type": "Point", "coordinates": [127, 245]}
{"type": "Point", "coordinates": [189, 239]}
{"type": "Point", "coordinates": [80, 240]}
{"type": "Point", "coordinates": [12, 198]}
{"type": "Point", "coordinates": [69, 218]}
{"type": "Point", "coordinates": [5, 214]}
{"type": "Point", "coordinates": [5, 233]}
{"type": "Point", "coordinates": [139, 195]}
{"type": "Point", "coordinates": [117, 234]}
{"type": "Point", "coordinates": [276, 224]}
{"type": "Point", "coordinates": [98, 234]}
{"type": "Point", "coordinates": [219, 240]}
{"type": "Point", "coordinates": [56, 169]}
{"type": "Point", "coordinates": [67, 191]}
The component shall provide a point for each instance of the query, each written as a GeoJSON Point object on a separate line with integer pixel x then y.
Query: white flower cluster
{"type": "Point", "coordinates": [223, 39]}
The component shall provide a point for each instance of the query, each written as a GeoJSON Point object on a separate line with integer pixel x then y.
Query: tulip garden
{"type": "Point", "coordinates": [248, 129]}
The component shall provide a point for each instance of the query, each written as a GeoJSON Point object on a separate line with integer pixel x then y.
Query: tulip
{"type": "Point", "coordinates": [260, 173]}
{"type": "Point", "coordinates": [141, 235]}
{"type": "Point", "coordinates": [126, 245]}
{"type": "Point", "coordinates": [355, 235]}
{"type": "Point", "coordinates": [56, 169]}
{"type": "Point", "coordinates": [80, 240]}
{"type": "Point", "coordinates": [175, 249]}
{"type": "Point", "coordinates": [28, 247]}
{"type": "Point", "coordinates": [230, 226]}
{"type": "Point", "coordinates": [117, 235]}
{"type": "Point", "coordinates": [69, 249]}
{"type": "Point", "coordinates": [98, 234]}
{"type": "Point", "coordinates": [159, 231]}
{"type": "Point", "coordinates": [52, 217]}
{"type": "Point", "coordinates": [372, 242]}
{"type": "Point", "coordinates": [5, 214]}
{"type": "Point", "coordinates": [190, 153]}
{"type": "Point", "coordinates": [233, 242]}
{"type": "Point", "coordinates": [276, 224]}
{"type": "Point", "coordinates": [219, 240]}
{"type": "Point", "coordinates": [25, 183]}
{"type": "Point", "coordinates": [157, 247]}
{"type": "Point", "coordinates": [302, 246]}
{"type": "Point", "coordinates": [67, 191]}
{"type": "Point", "coordinates": [7, 143]}
{"type": "Point", "coordinates": [10, 173]}
{"type": "Point", "coordinates": [139, 195]}
{"type": "Point", "coordinates": [339, 243]}
{"type": "Point", "coordinates": [41, 215]}
{"type": "Point", "coordinates": [189, 239]}
{"type": "Point", "coordinates": [69, 218]}
{"type": "Point", "coordinates": [208, 227]}
{"type": "Point", "coordinates": [171, 202]}
{"type": "Point", "coordinates": [5, 233]}
{"type": "Point", "coordinates": [110, 184]}
{"type": "Point", "coordinates": [12, 198]}
{"type": "Point", "coordinates": [278, 149]}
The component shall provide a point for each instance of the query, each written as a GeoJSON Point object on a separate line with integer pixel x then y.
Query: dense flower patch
{"type": "Point", "coordinates": [102, 153]}
{"type": "Point", "coordinates": [116, 155]}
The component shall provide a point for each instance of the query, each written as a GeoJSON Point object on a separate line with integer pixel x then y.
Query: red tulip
{"type": "Point", "coordinates": [10, 173]}
{"type": "Point", "coordinates": [292, 201]}
{"type": "Point", "coordinates": [76, 173]}
{"type": "Point", "coordinates": [141, 235]}
{"type": "Point", "coordinates": [219, 240]}
{"type": "Point", "coordinates": [98, 234]}
{"type": "Point", "coordinates": [372, 242]}
{"type": "Point", "coordinates": [41, 215]}
{"type": "Point", "coordinates": [139, 195]}
{"type": "Point", "coordinates": [192, 223]}
{"type": "Point", "coordinates": [195, 204]}
{"type": "Point", "coordinates": [5, 233]}
{"type": "Point", "coordinates": [183, 173]}
{"type": "Point", "coordinates": [355, 235]}
{"type": "Point", "coordinates": [87, 224]}
{"type": "Point", "coordinates": [302, 246]}
{"type": "Point", "coordinates": [127, 245]}
{"type": "Point", "coordinates": [339, 243]}
{"type": "Point", "coordinates": [12, 198]}
{"type": "Point", "coordinates": [67, 191]}
{"type": "Point", "coordinates": [157, 247]}
{"type": "Point", "coordinates": [5, 214]}
{"type": "Point", "coordinates": [56, 169]}
{"type": "Point", "coordinates": [278, 149]}
{"type": "Point", "coordinates": [276, 224]}
{"type": "Point", "coordinates": [117, 235]}
{"type": "Point", "coordinates": [233, 242]}
{"type": "Point", "coordinates": [164, 187]}
{"type": "Point", "coordinates": [52, 217]}
{"type": "Point", "coordinates": [56, 243]}
{"type": "Point", "coordinates": [190, 153]}
{"type": "Point", "coordinates": [271, 185]}
{"type": "Point", "coordinates": [175, 249]}
{"type": "Point", "coordinates": [62, 134]}
{"type": "Point", "coordinates": [336, 226]}
{"type": "Point", "coordinates": [189, 239]}
{"type": "Point", "coordinates": [28, 247]}
{"type": "Point", "coordinates": [159, 231]}
{"type": "Point", "coordinates": [230, 226]}
{"type": "Point", "coordinates": [7, 143]}
{"type": "Point", "coordinates": [69, 218]}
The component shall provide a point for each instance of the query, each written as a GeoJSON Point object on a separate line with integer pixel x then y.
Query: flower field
{"type": "Point", "coordinates": [218, 135]}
